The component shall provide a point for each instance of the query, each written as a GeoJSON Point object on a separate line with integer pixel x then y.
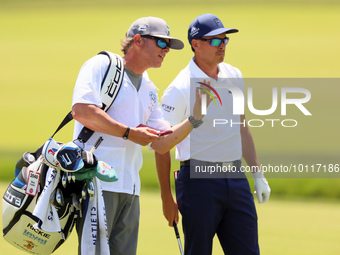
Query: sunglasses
{"type": "Point", "coordinates": [162, 43]}
{"type": "Point", "coordinates": [215, 41]}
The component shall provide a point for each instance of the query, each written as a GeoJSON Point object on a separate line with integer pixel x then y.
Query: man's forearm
{"type": "Point", "coordinates": [163, 165]}
{"type": "Point", "coordinates": [170, 209]}
{"type": "Point", "coordinates": [97, 120]}
{"type": "Point", "coordinates": [180, 132]}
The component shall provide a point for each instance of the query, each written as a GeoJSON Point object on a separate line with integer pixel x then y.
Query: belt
{"type": "Point", "coordinates": [193, 162]}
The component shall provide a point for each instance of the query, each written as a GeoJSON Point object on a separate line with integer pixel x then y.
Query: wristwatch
{"type": "Point", "coordinates": [125, 136]}
{"type": "Point", "coordinates": [195, 123]}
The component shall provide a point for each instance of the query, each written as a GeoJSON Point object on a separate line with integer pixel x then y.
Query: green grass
{"type": "Point", "coordinates": [281, 187]}
{"type": "Point", "coordinates": [285, 227]}
{"type": "Point", "coordinates": [44, 44]}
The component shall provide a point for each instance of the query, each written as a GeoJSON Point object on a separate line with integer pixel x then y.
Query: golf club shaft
{"type": "Point", "coordinates": [96, 145]}
{"type": "Point", "coordinates": [178, 238]}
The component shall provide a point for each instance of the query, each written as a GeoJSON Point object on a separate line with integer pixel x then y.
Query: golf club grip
{"type": "Point", "coordinates": [96, 145]}
{"type": "Point", "coordinates": [176, 229]}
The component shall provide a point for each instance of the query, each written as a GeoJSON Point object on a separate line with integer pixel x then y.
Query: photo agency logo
{"type": "Point", "coordinates": [204, 97]}
{"type": "Point", "coordinates": [280, 98]}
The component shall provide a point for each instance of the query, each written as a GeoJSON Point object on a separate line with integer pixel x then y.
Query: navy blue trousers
{"type": "Point", "coordinates": [217, 206]}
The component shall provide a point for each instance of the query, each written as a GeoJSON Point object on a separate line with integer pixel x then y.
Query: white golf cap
{"type": "Point", "coordinates": [156, 27]}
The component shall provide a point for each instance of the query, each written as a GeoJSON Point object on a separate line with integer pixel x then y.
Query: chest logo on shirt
{"type": "Point", "coordinates": [153, 100]}
{"type": "Point", "coordinates": [168, 108]}
{"type": "Point", "coordinates": [153, 97]}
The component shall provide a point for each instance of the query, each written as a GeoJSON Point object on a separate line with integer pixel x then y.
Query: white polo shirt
{"type": "Point", "coordinates": [221, 143]}
{"type": "Point", "coordinates": [130, 108]}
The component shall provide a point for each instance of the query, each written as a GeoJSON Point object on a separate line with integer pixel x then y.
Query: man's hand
{"type": "Point", "coordinates": [97, 120]}
{"type": "Point", "coordinates": [144, 135]}
{"type": "Point", "coordinates": [262, 189]}
{"type": "Point", "coordinates": [170, 210]}
{"type": "Point", "coordinates": [197, 111]}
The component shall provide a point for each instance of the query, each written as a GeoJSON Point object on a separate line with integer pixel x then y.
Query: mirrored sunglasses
{"type": "Point", "coordinates": [215, 41]}
{"type": "Point", "coordinates": [162, 43]}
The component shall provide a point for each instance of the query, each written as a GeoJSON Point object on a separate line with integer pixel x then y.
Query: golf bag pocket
{"type": "Point", "coordinates": [21, 232]}
{"type": "Point", "coordinates": [21, 227]}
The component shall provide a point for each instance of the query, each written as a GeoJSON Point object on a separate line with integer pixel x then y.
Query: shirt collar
{"type": "Point", "coordinates": [196, 72]}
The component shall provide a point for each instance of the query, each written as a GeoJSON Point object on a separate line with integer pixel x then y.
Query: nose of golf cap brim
{"type": "Point", "coordinates": [222, 30]}
{"type": "Point", "coordinates": [207, 25]}
{"type": "Point", "coordinates": [175, 43]}
{"type": "Point", "coordinates": [156, 27]}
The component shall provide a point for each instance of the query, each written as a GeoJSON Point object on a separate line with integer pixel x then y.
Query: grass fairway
{"type": "Point", "coordinates": [44, 44]}
{"type": "Point", "coordinates": [285, 228]}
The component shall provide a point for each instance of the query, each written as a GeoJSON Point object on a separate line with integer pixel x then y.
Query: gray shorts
{"type": "Point", "coordinates": [122, 216]}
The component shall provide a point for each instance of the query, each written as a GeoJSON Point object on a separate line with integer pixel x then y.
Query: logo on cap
{"type": "Point", "coordinates": [194, 31]}
{"type": "Point", "coordinates": [217, 21]}
{"type": "Point", "coordinates": [141, 27]}
{"type": "Point", "coordinates": [167, 30]}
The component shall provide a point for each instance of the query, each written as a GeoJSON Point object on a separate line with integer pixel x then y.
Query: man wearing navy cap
{"type": "Point", "coordinates": [210, 202]}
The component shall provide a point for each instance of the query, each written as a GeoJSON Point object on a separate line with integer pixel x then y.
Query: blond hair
{"type": "Point", "coordinates": [126, 44]}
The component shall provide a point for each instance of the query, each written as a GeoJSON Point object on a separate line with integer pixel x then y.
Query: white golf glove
{"type": "Point", "coordinates": [262, 189]}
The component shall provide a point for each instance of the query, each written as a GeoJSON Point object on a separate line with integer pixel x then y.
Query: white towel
{"type": "Point", "coordinates": [44, 210]}
{"type": "Point", "coordinates": [94, 224]}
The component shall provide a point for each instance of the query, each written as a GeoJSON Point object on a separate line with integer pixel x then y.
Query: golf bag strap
{"type": "Point", "coordinates": [66, 120]}
{"type": "Point", "coordinates": [110, 87]}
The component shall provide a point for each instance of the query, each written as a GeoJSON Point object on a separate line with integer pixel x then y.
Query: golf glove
{"type": "Point", "coordinates": [262, 189]}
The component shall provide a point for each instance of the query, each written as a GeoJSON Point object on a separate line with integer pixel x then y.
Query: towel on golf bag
{"type": "Point", "coordinates": [44, 210]}
{"type": "Point", "coordinates": [94, 231]}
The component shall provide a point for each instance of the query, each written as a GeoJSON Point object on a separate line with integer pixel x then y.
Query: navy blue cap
{"type": "Point", "coordinates": [207, 25]}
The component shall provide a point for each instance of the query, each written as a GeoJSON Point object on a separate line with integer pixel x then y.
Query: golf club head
{"type": "Point", "coordinates": [90, 188]}
{"type": "Point", "coordinates": [69, 177]}
{"type": "Point", "coordinates": [28, 157]}
{"type": "Point", "coordinates": [64, 180]}
{"type": "Point", "coordinates": [59, 197]}
{"type": "Point", "coordinates": [84, 191]}
{"type": "Point", "coordinates": [73, 177]}
{"type": "Point", "coordinates": [75, 202]}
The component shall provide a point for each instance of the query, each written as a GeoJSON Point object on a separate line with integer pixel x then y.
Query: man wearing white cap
{"type": "Point", "coordinates": [213, 193]}
{"type": "Point", "coordinates": [146, 45]}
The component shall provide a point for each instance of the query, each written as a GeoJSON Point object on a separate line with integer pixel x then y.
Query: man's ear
{"type": "Point", "coordinates": [195, 44]}
{"type": "Point", "coordinates": [138, 40]}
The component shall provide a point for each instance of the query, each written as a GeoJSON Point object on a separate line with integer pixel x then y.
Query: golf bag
{"type": "Point", "coordinates": [32, 175]}
{"type": "Point", "coordinates": [20, 225]}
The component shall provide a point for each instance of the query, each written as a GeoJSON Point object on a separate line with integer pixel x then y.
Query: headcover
{"type": "Point", "coordinates": [69, 157]}
{"type": "Point", "coordinates": [48, 152]}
